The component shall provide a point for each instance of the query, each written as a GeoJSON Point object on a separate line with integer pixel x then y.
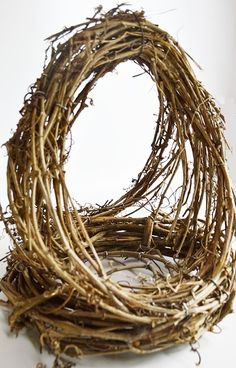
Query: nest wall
{"type": "Point", "coordinates": [64, 272]}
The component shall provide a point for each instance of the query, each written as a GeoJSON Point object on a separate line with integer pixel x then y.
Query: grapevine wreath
{"type": "Point", "coordinates": [65, 273]}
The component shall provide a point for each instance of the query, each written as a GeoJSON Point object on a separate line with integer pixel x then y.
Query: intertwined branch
{"type": "Point", "coordinates": [109, 278]}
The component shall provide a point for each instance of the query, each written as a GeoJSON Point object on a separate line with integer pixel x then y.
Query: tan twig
{"type": "Point", "coordinates": [94, 280]}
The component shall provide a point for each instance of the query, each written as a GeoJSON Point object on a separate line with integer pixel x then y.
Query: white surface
{"type": "Point", "coordinates": [206, 29]}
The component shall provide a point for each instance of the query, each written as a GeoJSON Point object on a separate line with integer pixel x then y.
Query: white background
{"type": "Point", "coordinates": [112, 140]}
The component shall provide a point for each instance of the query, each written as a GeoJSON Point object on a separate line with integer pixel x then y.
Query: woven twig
{"type": "Point", "coordinates": [109, 279]}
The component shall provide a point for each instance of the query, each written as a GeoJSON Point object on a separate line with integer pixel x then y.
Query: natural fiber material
{"type": "Point", "coordinates": [110, 279]}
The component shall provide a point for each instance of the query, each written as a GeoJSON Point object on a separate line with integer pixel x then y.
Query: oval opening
{"type": "Point", "coordinates": [112, 138]}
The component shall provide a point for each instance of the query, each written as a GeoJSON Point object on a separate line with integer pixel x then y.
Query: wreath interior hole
{"type": "Point", "coordinates": [111, 139]}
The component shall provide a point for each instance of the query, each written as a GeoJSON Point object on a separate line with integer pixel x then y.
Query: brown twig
{"type": "Point", "coordinates": [94, 280]}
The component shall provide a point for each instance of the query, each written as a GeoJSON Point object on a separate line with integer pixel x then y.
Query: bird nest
{"type": "Point", "coordinates": [114, 278]}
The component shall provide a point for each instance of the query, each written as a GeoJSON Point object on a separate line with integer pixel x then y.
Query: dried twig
{"type": "Point", "coordinates": [61, 275]}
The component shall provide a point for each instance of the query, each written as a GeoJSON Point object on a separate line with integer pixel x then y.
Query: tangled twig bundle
{"type": "Point", "coordinates": [106, 279]}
